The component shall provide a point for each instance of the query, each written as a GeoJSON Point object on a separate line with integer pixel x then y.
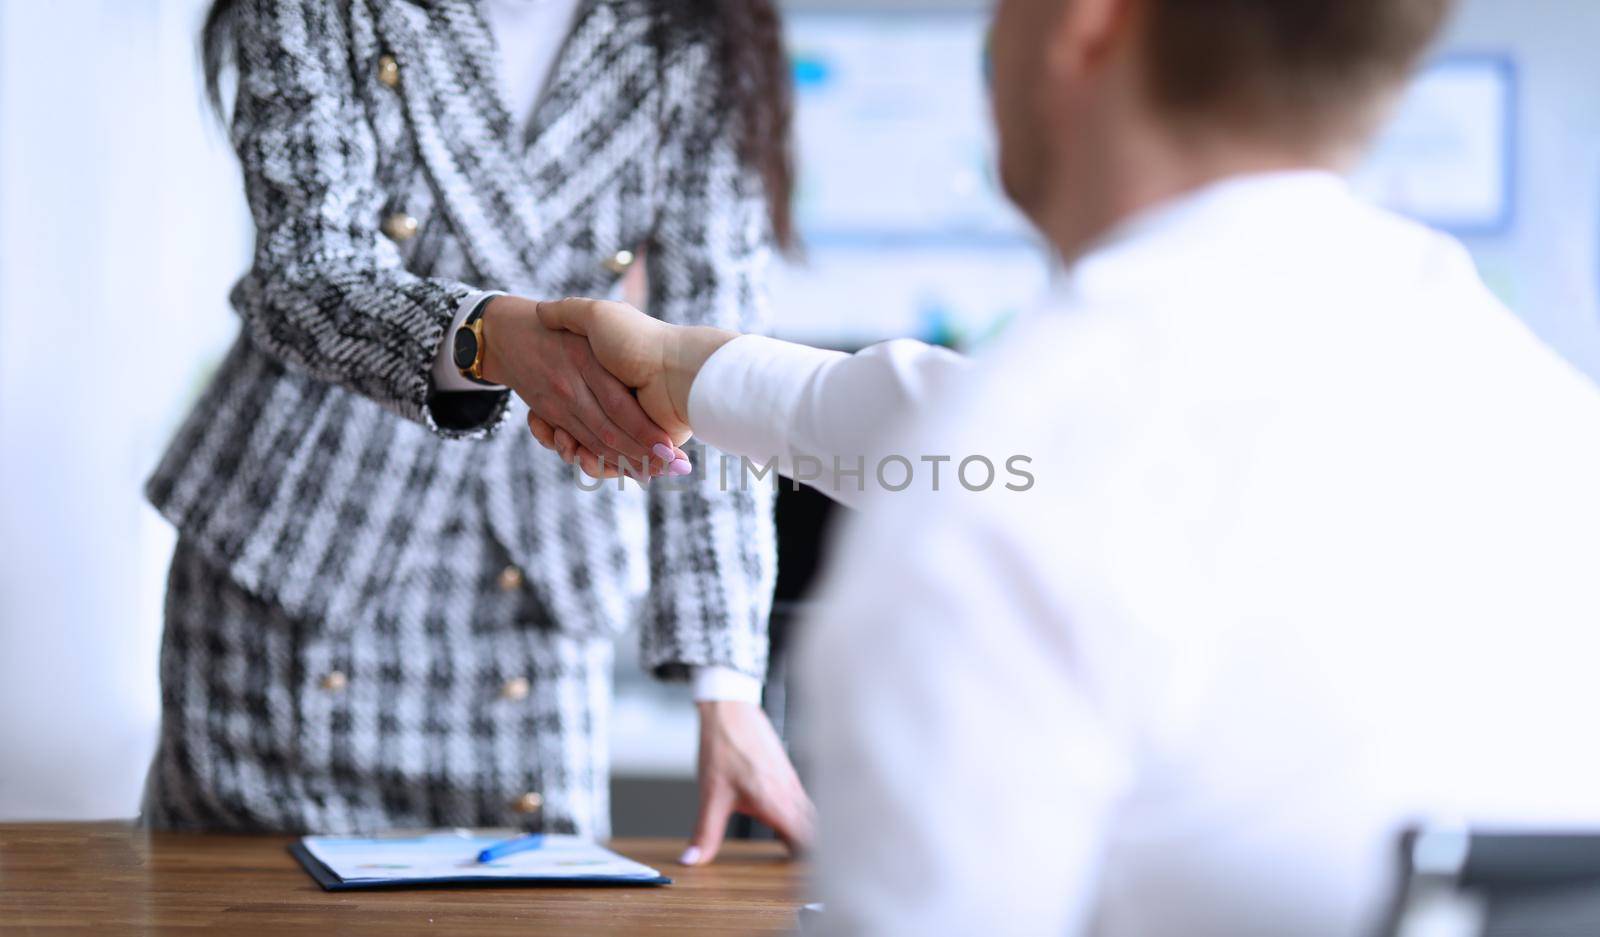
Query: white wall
{"type": "Point", "coordinates": [121, 229]}
{"type": "Point", "coordinates": [1548, 267]}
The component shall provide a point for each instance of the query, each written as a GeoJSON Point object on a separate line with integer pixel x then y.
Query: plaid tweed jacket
{"type": "Point", "coordinates": [320, 469]}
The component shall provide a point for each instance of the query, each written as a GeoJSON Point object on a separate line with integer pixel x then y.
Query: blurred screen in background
{"type": "Point", "coordinates": [906, 231]}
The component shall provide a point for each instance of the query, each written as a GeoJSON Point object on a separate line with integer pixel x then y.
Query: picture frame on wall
{"type": "Point", "coordinates": [1448, 158]}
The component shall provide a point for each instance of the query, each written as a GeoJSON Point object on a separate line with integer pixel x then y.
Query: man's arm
{"type": "Point", "coordinates": [821, 417]}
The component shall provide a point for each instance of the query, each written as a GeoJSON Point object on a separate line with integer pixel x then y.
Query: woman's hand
{"type": "Point", "coordinates": [657, 360]}
{"type": "Point", "coordinates": [561, 381]}
{"type": "Point", "coordinates": [744, 769]}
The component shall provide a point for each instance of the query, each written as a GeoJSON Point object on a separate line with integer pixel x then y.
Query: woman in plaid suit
{"type": "Point", "coordinates": [382, 612]}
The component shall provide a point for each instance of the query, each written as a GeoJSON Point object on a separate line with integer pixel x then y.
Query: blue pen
{"type": "Point", "coordinates": [511, 847]}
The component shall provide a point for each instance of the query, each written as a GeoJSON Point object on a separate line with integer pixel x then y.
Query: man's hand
{"type": "Point", "coordinates": [557, 375]}
{"type": "Point", "coordinates": [744, 769]}
{"type": "Point", "coordinates": [656, 360]}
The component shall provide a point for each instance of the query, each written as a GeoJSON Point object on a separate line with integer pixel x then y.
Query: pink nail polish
{"type": "Point", "coordinates": [679, 467]}
{"type": "Point", "coordinates": [662, 452]}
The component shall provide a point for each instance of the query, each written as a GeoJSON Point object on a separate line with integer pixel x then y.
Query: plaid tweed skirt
{"type": "Point", "coordinates": [446, 706]}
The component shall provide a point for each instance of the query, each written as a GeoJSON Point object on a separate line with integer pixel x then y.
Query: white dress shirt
{"type": "Point", "coordinates": [1312, 552]}
{"type": "Point", "coordinates": [529, 35]}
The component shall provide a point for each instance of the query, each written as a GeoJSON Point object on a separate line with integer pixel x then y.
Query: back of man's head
{"type": "Point", "coordinates": [1300, 71]}
{"type": "Point", "coordinates": [1105, 107]}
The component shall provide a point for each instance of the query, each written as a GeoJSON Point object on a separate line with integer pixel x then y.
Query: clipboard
{"type": "Point", "coordinates": [444, 858]}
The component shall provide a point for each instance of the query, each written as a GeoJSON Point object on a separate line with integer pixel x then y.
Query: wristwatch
{"type": "Point", "coordinates": [470, 345]}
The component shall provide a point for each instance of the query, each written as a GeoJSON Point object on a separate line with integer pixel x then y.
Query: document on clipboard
{"type": "Point", "coordinates": [450, 857]}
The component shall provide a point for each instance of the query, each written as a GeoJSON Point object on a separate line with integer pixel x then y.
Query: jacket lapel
{"type": "Point", "coordinates": [507, 193]}
{"type": "Point", "coordinates": [468, 141]}
{"type": "Point", "coordinates": [598, 128]}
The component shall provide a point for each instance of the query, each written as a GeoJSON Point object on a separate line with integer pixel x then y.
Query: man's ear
{"type": "Point", "coordinates": [1087, 34]}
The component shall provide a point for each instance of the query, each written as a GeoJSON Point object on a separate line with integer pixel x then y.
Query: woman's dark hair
{"type": "Point", "coordinates": [757, 87]}
{"type": "Point", "coordinates": [756, 84]}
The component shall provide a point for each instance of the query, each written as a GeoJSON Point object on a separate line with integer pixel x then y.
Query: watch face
{"type": "Point", "coordinates": [466, 349]}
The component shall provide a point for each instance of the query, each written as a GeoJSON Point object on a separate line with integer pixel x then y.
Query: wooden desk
{"type": "Point", "coordinates": [60, 878]}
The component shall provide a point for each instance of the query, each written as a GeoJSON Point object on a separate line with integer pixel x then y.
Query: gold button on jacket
{"type": "Point", "coordinates": [619, 262]}
{"type": "Point", "coordinates": [334, 681]}
{"type": "Point", "coordinates": [510, 579]}
{"type": "Point", "coordinates": [400, 226]}
{"type": "Point", "coordinates": [528, 803]}
{"type": "Point", "coordinates": [517, 688]}
{"type": "Point", "coordinates": [388, 70]}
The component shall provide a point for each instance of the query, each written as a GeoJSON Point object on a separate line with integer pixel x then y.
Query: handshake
{"type": "Point", "coordinates": [607, 386]}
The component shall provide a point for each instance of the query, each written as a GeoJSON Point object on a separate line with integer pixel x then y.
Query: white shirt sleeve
{"type": "Point", "coordinates": [724, 684]}
{"type": "Point", "coordinates": [821, 417]}
{"type": "Point", "coordinates": [446, 376]}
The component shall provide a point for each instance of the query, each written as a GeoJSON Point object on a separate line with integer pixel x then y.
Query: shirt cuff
{"type": "Point", "coordinates": [724, 684]}
{"type": "Point", "coordinates": [446, 376]}
{"type": "Point", "coordinates": [744, 399]}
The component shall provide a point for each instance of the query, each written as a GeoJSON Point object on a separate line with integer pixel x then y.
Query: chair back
{"type": "Point", "coordinates": [1462, 883]}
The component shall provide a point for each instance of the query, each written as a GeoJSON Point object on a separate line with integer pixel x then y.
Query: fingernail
{"type": "Point", "coordinates": [679, 467]}
{"type": "Point", "coordinates": [691, 856]}
{"type": "Point", "coordinates": [663, 452]}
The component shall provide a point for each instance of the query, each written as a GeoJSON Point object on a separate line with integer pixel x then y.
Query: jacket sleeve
{"type": "Point", "coordinates": [713, 552]}
{"type": "Point", "coordinates": [327, 293]}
